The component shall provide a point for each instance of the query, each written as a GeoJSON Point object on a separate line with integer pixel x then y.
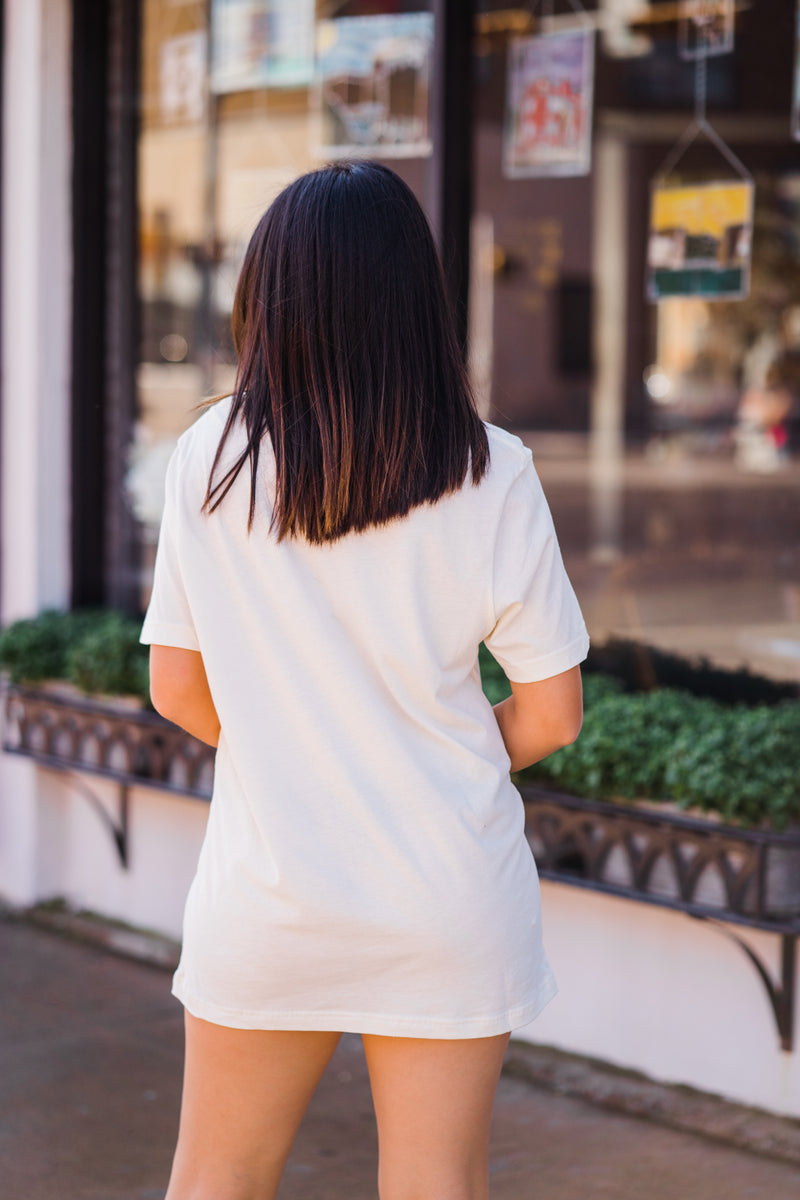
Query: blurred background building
{"type": "Point", "coordinates": [156, 133]}
{"type": "Point", "coordinates": [142, 140]}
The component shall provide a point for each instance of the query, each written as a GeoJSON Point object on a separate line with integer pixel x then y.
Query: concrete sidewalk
{"type": "Point", "coordinates": [90, 1066]}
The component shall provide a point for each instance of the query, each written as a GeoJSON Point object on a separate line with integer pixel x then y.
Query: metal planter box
{"type": "Point", "coordinates": [656, 853]}
{"type": "Point", "coordinates": [105, 737]}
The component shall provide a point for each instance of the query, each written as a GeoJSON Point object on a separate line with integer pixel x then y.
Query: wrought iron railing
{"type": "Point", "coordinates": [129, 746]}
{"type": "Point", "coordinates": [701, 867]}
{"type": "Point", "coordinates": [663, 856]}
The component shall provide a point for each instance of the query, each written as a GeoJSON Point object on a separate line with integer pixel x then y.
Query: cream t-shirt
{"type": "Point", "coordinates": [365, 867]}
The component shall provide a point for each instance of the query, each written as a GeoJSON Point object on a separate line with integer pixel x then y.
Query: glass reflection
{"type": "Point", "coordinates": [676, 437]}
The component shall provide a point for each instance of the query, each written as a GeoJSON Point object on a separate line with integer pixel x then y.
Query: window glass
{"type": "Point", "coordinates": [234, 105]}
{"type": "Point", "coordinates": [667, 434]}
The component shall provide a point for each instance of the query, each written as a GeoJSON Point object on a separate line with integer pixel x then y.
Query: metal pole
{"type": "Point", "coordinates": [450, 179]}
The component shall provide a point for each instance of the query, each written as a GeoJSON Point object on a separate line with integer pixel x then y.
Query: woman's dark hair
{"type": "Point", "coordinates": [348, 359]}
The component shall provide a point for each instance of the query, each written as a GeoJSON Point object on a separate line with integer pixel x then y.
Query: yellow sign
{"type": "Point", "coordinates": [700, 241]}
{"type": "Point", "coordinates": [711, 209]}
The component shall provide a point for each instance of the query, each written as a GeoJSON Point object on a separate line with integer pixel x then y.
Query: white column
{"type": "Point", "coordinates": [610, 270]}
{"type": "Point", "coordinates": [36, 253]}
{"type": "Point", "coordinates": [35, 442]}
{"type": "Point", "coordinates": [481, 311]}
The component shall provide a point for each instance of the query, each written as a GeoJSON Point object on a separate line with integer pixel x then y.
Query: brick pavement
{"type": "Point", "coordinates": [90, 1062]}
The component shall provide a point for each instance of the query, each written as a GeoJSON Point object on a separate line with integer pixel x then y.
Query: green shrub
{"type": "Point", "coordinates": [600, 687]}
{"type": "Point", "coordinates": [109, 658]}
{"type": "Point", "coordinates": [741, 762]}
{"type": "Point", "coordinates": [493, 679]}
{"type": "Point", "coordinates": [36, 648]}
{"type": "Point", "coordinates": [626, 745]}
{"type": "Point", "coordinates": [97, 650]}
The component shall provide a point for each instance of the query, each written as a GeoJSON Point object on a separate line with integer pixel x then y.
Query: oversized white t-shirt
{"type": "Point", "coordinates": [365, 867]}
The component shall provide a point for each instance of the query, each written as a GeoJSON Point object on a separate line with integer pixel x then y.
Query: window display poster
{"type": "Point", "coordinates": [796, 78]}
{"type": "Point", "coordinates": [700, 241]}
{"type": "Point", "coordinates": [705, 28]}
{"type": "Point", "coordinates": [261, 44]}
{"type": "Point", "coordinates": [549, 97]}
{"type": "Point", "coordinates": [373, 77]}
{"type": "Point", "coordinates": [182, 79]}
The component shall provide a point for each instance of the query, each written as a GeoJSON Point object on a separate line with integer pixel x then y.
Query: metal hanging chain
{"type": "Point", "coordinates": [699, 125]}
{"type": "Point", "coordinates": [700, 87]}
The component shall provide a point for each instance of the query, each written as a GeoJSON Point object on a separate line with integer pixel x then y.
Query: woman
{"type": "Point", "coordinates": [338, 538]}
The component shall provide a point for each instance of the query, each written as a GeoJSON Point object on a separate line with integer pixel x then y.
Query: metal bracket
{"type": "Point", "coordinates": [781, 993]}
{"type": "Point", "coordinates": [118, 828]}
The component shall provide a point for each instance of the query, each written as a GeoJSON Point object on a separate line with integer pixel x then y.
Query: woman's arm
{"type": "Point", "coordinates": [179, 691]}
{"type": "Point", "coordinates": [538, 718]}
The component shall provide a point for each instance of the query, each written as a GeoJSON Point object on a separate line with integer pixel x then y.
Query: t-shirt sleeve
{"type": "Point", "coordinates": [168, 621]}
{"type": "Point", "coordinates": [539, 630]}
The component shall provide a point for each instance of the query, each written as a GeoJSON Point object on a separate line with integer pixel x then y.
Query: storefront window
{"type": "Point", "coordinates": [667, 434]}
{"type": "Point", "coordinates": [235, 105]}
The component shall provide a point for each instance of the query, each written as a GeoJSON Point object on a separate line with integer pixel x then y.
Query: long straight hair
{"type": "Point", "coordinates": [348, 359]}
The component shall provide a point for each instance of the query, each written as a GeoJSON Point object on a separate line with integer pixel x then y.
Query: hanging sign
{"type": "Point", "coordinates": [261, 44]}
{"type": "Point", "coordinates": [182, 79]}
{"type": "Point", "coordinates": [373, 85]}
{"type": "Point", "coordinates": [700, 241]}
{"type": "Point", "coordinates": [705, 28]}
{"type": "Point", "coordinates": [549, 96]}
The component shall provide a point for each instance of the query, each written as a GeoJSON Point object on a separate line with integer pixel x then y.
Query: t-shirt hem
{"type": "Point", "coordinates": [164, 633]}
{"type": "Point", "coordinates": [556, 663]}
{"type": "Point", "coordinates": [385, 1025]}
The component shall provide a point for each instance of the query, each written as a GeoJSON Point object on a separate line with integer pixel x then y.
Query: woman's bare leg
{"type": "Point", "coordinates": [244, 1095]}
{"type": "Point", "coordinates": [433, 1102]}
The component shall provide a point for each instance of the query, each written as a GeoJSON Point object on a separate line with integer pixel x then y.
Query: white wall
{"type": "Point", "coordinates": [77, 859]}
{"type": "Point", "coordinates": [659, 992]}
{"type": "Point", "coordinates": [36, 307]}
{"type": "Point", "coordinates": [34, 468]}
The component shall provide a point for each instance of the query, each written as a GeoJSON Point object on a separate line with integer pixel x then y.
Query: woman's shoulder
{"type": "Point", "coordinates": [205, 430]}
{"type": "Point", "coordinates": [211, 416]}
{"type": "Point", "coordinates": [508, 455]}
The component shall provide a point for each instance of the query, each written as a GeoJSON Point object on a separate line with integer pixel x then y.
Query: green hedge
{"type": "Point", "coordinates": [741, 762]}
{"type": "Point", "coordinates": [97, 650]}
